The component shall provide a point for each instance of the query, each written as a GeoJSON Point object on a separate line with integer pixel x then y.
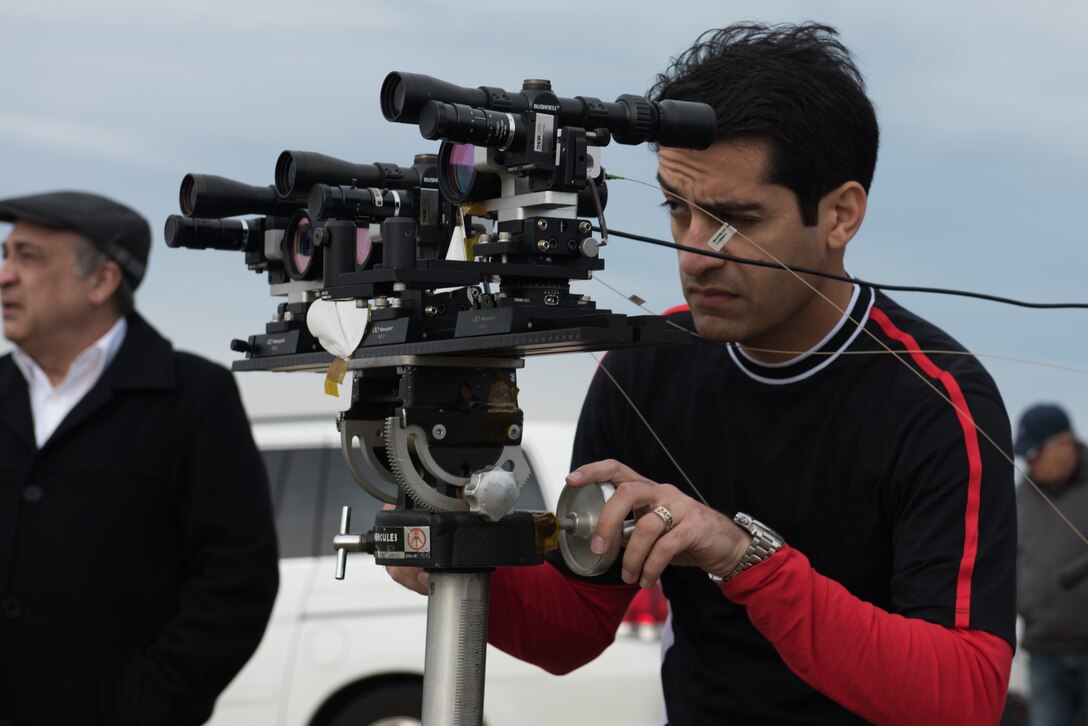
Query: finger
{"type": "Point", "coordinates": [630, 496]}
{"type": "Point", "coordinates": [608, 470]}
{"type": "Point", "coordinates": [701, 537]}
{"type": "Point", "coordinates": [414, 578]}
{"type": "Point", "coordinates": [667, 550]}
{"type": "Point", "coordinates": [646, 540]}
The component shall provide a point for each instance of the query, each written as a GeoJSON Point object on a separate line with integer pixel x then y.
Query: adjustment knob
{"type": "Point", "coordinates": [640, 120]}
{"type": "Point", "coordinates": [492, 492]}
{"type": "Point", "coordinates": [346, 542]}
{"type": "Point", "coordinates": [577, 513]}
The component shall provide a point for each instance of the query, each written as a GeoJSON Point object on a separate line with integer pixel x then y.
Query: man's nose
{"type": "Point", "coordinates": [7, 273]}
{"type": "Point", "coordinates": [701, 230]}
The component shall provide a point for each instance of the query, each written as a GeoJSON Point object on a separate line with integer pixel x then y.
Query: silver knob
{"type": "Point", "coordinates": [346, 542]}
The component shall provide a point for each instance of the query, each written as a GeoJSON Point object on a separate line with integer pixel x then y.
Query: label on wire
{"type": "Point", "coordinates": [723, 235]}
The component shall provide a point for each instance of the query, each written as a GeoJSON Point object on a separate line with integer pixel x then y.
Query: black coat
{"type": "Point", "coordinates": [138, 559]}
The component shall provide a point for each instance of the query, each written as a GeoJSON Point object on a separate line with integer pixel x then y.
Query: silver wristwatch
{"type": "Point", "coordinates": [765, 542]}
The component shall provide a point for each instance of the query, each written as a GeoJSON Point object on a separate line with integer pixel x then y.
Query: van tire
{"type": "Point", "coordinates": [394, 704]}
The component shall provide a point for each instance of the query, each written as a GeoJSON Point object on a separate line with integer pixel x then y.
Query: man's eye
{"type": "Point", "coordinates": [675, 208]}
{"type": "Point", "coordinates": [730, 217]}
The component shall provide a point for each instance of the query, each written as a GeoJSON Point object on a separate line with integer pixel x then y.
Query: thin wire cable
{"type": "Point", "coordinates": [639, 302]}
{"type": "Point", "coordinates": [1022, 473]}
{"type": "Point", "coordinates": [642, 304]}
{"type": "Point", "coordinates": [650, 428]}
{"type": "Point", "coordinates": [895, 354]}
{"type": "Point", "coordinates": [964, 353]}
{"type": "Point", "coordinates": [797, 271]}
{"type": "Point", "coordinates": [601, 226]}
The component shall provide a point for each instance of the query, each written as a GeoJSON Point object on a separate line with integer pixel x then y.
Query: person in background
{"type": "Point", "coordinates": [1055, 616]}
{"type": "Point", "coordinates": [138, 559]}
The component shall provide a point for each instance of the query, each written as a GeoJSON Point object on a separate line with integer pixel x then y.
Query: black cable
{"type": "Point", "coordinates": [602, 228]}
{"type": "Point", "coordinates": [844, 278]}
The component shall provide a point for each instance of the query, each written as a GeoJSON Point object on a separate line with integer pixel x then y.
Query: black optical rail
{"type": "Point", "coordinates": [600, 331]}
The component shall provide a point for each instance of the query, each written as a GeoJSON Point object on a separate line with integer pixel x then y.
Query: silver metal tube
{"type": "Point", "coordinates": [453, 668]}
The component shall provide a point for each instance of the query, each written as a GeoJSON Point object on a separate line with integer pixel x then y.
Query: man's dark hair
{"type": "Point", "coordinates": [794, 86]}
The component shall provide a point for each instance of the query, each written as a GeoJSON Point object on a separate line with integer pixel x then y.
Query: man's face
{"type": "Point", "coordinates": [44, 299]}
{"type": "Point", "coordinates": [759, 307]}
{"type": "Point", "coordinates": [1054, 462]}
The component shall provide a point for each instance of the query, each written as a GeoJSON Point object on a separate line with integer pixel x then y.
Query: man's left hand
{"type": "Point", "coordinates": [697, 536]}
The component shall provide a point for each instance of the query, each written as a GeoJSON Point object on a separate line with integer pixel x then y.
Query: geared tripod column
{"type": "Point", "coordinates": [449, 439]}
{"type": "Point", "coordinates": [453, 672]}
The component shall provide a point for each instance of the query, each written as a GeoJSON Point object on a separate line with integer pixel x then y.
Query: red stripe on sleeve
{"type": "Point", "coordinates": [974, 459]}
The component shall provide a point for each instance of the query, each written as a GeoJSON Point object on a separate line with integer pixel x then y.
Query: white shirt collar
{"type": "Point", "coordinates": [50, 404]}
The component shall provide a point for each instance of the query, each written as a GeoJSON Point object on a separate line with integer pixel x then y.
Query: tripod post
{"type": "Point", "coordinates": [453, 671]}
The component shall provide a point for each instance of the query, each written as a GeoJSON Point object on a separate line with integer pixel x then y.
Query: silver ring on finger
{"type": "Point", "coordinates": [666, 516]}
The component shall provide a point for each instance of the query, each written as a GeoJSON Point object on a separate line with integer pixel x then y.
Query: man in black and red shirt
{"type": "Point", "coordinates": [837, 542]}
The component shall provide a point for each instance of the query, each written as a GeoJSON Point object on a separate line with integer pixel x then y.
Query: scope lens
{"type": "Point", "coordinates": [187, 196]}
{"type": "Point", "coordinates": [460, 169]}
{"type": "Point", "coordinates": [289, 174]}
{"type": "Point", "coordinates": [301, 247]}
{"type": "Point", "coordinates": [398, 99]}
{"type": "Point", "coordinates": [363, 246]}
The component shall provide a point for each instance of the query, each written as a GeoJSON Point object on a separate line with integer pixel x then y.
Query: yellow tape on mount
{"type": "Point", "coordinates": [335, 376]}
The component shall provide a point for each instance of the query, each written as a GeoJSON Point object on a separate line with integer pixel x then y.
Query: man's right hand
{"type": "Point", "coordinates": [413, 578]}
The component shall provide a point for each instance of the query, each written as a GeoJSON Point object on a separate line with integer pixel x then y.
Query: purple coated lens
{"type": "Point", "coordinates": [363, 246]}
{"type": "Point", "coordinates": [302, 247]}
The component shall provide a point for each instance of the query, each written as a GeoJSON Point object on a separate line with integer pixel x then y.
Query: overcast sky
{"type": "Point", "coordinates": [980, 183]}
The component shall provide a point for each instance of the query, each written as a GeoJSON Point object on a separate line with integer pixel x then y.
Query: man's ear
{"type": "Point", "coordinates": [844, 208]}
{"type": "Point", "coordinates": [105, 280]}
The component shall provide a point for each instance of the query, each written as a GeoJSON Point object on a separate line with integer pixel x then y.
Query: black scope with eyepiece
{"type": "Point", "coordinates": [298, 171]}
{"type": "Point", "coordinates": [208, 196]}
{"type": "Point", "coordinates": [216, 234]}
{"type": "Point", "coordinates": [411, 98]}
{"type": "Point", "coordinates": [328, 201]}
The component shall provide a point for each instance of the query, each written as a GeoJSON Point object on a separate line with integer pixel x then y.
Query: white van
{"type": "Point", "coordinates": [350, 652]}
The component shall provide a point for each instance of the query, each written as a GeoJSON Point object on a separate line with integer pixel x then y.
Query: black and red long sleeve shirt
{"type": "Point", "coordinates": [878, 457]}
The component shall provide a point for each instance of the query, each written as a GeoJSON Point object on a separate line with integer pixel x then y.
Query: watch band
{"type": "Point", "coordinates": [765, 542]}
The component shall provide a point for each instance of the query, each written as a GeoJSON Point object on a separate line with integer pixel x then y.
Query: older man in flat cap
{"type": "Point", "coordinates": [137, 555]}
